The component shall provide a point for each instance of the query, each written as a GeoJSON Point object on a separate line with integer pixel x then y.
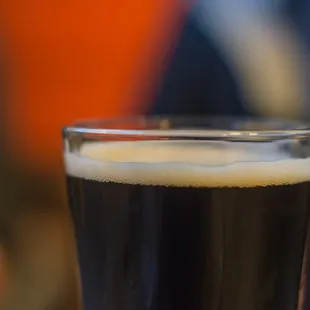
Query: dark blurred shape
{"type": "Point", "coordinates": [197, 80]}
{"type": "Point", "coordinates": [299, 10]}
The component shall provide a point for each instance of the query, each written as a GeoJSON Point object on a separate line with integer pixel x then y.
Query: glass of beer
{"type": "Point", "coordinates": [189, 213]}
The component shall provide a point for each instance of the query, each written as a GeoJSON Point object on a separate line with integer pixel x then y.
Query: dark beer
{"type": "Point", "coordinates": [158, 234]}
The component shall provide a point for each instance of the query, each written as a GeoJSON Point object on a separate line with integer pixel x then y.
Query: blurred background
{"type": "Point", "coordinates": [61, 61]}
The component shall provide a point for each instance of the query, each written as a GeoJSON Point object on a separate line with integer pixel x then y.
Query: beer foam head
{"type": "Point", "coordinates": [187, 163]}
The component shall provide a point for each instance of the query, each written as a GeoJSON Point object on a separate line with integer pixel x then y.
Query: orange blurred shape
{"type": "Point", "coordinates": [71, 59]}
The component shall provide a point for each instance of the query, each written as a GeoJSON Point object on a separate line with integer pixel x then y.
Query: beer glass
{"type": "Point", "coordinates": [189, 213]}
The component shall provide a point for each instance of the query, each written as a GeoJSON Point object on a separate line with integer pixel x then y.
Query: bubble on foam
{"type": "Point", "coordinates": [187, 163]}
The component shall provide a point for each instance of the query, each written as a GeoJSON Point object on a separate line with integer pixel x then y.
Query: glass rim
{"type": "Point", "coordinates": [267, 128]}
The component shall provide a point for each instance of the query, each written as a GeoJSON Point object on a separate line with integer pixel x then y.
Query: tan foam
{"type": "Point", "coordinates": [186, 163]}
